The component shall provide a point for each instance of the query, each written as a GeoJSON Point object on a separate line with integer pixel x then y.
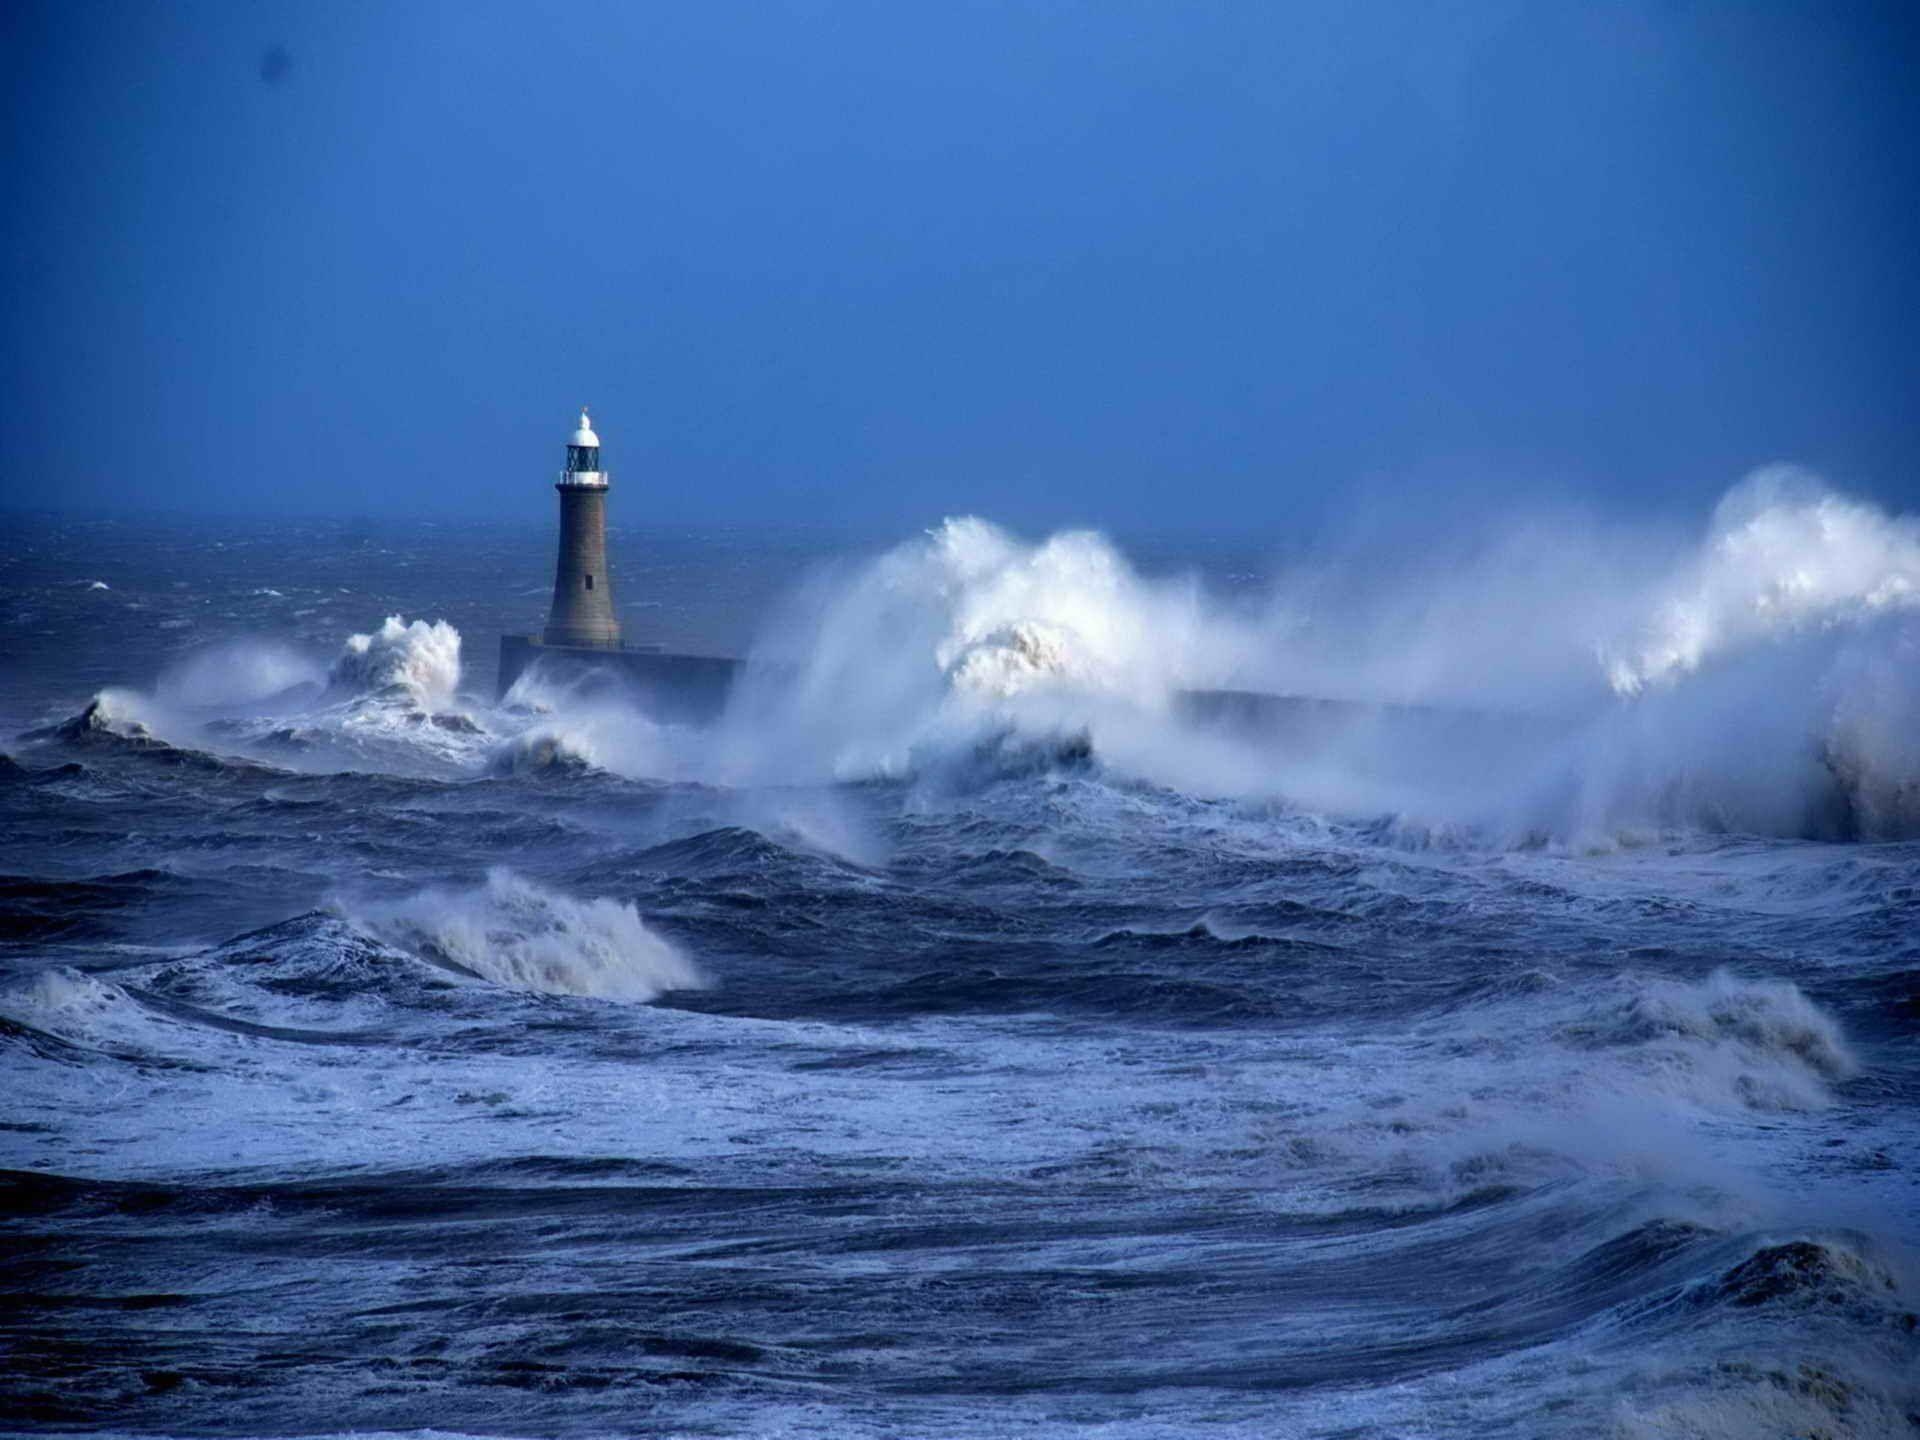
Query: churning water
{"type": "Point", "coordinates": [965, 1035]}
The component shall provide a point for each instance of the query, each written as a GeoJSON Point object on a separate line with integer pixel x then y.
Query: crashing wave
{"type": "Point", "coordinates": [113, 718]}
{"type": "Point", "coordinates": [419, 659]}
{"type": "Point", "coordinates": [391, 701]}
{"type": "Point", "coordinates": [387, 704]}
{"type": "Point", "coordinates": [65, 999]}
{"type": "Point", "coordinates": [94, 1015]}
{"type": "Point", "coordinates": [1804, 1272]}
{"type": "Point", "coordinates": [598, 734]}
{"type": "Point", "coordinates": [314, 973]}
{"type": "Point", "coordinates": [1872, 744]}
{"type": "Point", "coordinates": [957, 635]}
{"type": "Point", "coordinates": [514, 932]}
{"type": "Point", "coordinates": [1760, 1043]}
{"type": "Point", "coordinates": [1002, 752]}
{"type": "Point", "coordinates": [1069, 611]}
{"type": "Point", "coordinates": [544, 751]}
{"type": "Point", "coordinates": [122, 722]}
{"type": "Point", "coordinates": [1013, 659]}
{"type": "Point", "coordinates": [1782, 554]}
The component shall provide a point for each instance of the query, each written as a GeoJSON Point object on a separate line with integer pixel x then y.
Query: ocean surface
{"type": "Point", "coordinates": [961, 1037]}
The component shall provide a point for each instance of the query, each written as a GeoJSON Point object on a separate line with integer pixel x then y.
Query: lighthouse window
{"type": "Point", "coordinates": [581, 458]}
{"type": "Point", "coordinates": [589, 582]}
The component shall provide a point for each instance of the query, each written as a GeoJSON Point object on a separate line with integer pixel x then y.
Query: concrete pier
{"type": "Point", "coordinates": [676, 689]}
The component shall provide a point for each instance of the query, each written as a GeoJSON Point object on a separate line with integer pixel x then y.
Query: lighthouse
{"type": "Point", "coordinates": [582, 640]}
{"type": "Point", "coordinates": [582, 614]}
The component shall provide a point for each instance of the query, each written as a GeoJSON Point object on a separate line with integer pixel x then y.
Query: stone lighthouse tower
{"type": "Point", "coordinates": [582, 590]}
{"type": "Point", "coordinates": [582, 637]}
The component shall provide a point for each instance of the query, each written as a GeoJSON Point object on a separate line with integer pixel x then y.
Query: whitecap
{"type": "Point", "coordinates": [517, 933]}
{"type": "Point", "coordinates": [421, 658]}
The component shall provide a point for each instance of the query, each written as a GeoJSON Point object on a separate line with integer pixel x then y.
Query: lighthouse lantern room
{"type": "Point", "coordinates": [583, 455]}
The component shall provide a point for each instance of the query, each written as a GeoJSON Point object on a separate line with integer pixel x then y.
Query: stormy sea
{"type": "Point", "coordinates": [1005, 1019]}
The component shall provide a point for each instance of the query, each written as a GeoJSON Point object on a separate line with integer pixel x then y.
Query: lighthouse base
{"type": "Point", "coordinates": [678, 689]}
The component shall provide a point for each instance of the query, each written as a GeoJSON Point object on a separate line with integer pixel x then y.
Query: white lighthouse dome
{"type": "Point", "coordinates": [584, 435]}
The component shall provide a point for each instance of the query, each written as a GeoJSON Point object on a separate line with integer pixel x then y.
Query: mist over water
{"type": "Point", "coordinates": [1759, 681]}
{"type": "Point", "coordinates": [999, 1016]}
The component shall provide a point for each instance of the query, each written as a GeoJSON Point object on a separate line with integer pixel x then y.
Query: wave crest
{"type": "Point", "coordinates": [1783, 553]}
{"type": "Point", "coordinates": [546, 750]}
{"type": "Point", "coordinates": [1069, 610]}
{"type": "Point", "coordinates": [1760, 1041]}
{"type": "Point", "coordinates": [114, 717]}
{"type": "Point", "coordinates": [421, 658]}
{"type": "Point", "coordinates": [514, 932]}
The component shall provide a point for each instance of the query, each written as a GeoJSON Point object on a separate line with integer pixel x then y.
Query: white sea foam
{"type": "Point", "coordinates": [387, 703]}
{"type": "Point", "coordinates": [88, 1011]}
{"type": "Point", "coordinates": [545, 749]}
{"type": "Point", "coordinates": [1872, 736]}
{"type": "Point", "coordinates": [1761, 680]}
{"type": "Point", "coordinates": [1069, 612]}
{"type": "Point", "coordinates": [1724, 1041]}
{"type": "Point", "coordinates": [1792, 626]}
{"type": "Point", "coordinates": [1665, 1081]}
{"type": "Point", "coordinates": [1789, 628]}
{"type": "Point", "coordinates": [421, 658]}
{"type": "Point", "coordinates": [1783, 553]}
{"type": "Point", "coordinates": [941, 639]}
{"type": "Point", "coordinates": [514, 932]}
{"type": "Point", "coordinates": [63, 998]}
{"type": "Point", "coordinates": [583, 722]}
{"type": "Point", "coordinates": [1642, 1045]}
{"type": "Point", "coordinates": [117, 711]}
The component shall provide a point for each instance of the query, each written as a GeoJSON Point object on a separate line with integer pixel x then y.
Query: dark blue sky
{"type": "Point", "coordinates": [1198, 265]}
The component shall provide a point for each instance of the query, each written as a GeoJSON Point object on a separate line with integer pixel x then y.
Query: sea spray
{"type": "Point", "coordinates": [1757, 681]}
{"type": "Point", "coordinates": [514, 932]}
{"type": "Point", "coordinates": [1607, 1074]}
{"type": "Point", "coordinates": [238, 673]}
{"type": "Point", "coordinates": [87, 1011]}
{"type": "Point", "coordinates": [1783, 553]}
{"type": "Point", "coordinates": [1476, 703]}
{"type": "Point", "coordinates": [114, 715]}
{"type": "Point", "coordinates": [577, 723]}
{"type": "Point", "coordinates": [1872, 741]}
{"type": "Point", "coordinates": [1759, 1043]}
{"type": "Point", "coordinates": [949, 637]}
{"type": "Point", "coordinates": [1069, 613]}
{"type": "Point", "coordinates": [420, 658]}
